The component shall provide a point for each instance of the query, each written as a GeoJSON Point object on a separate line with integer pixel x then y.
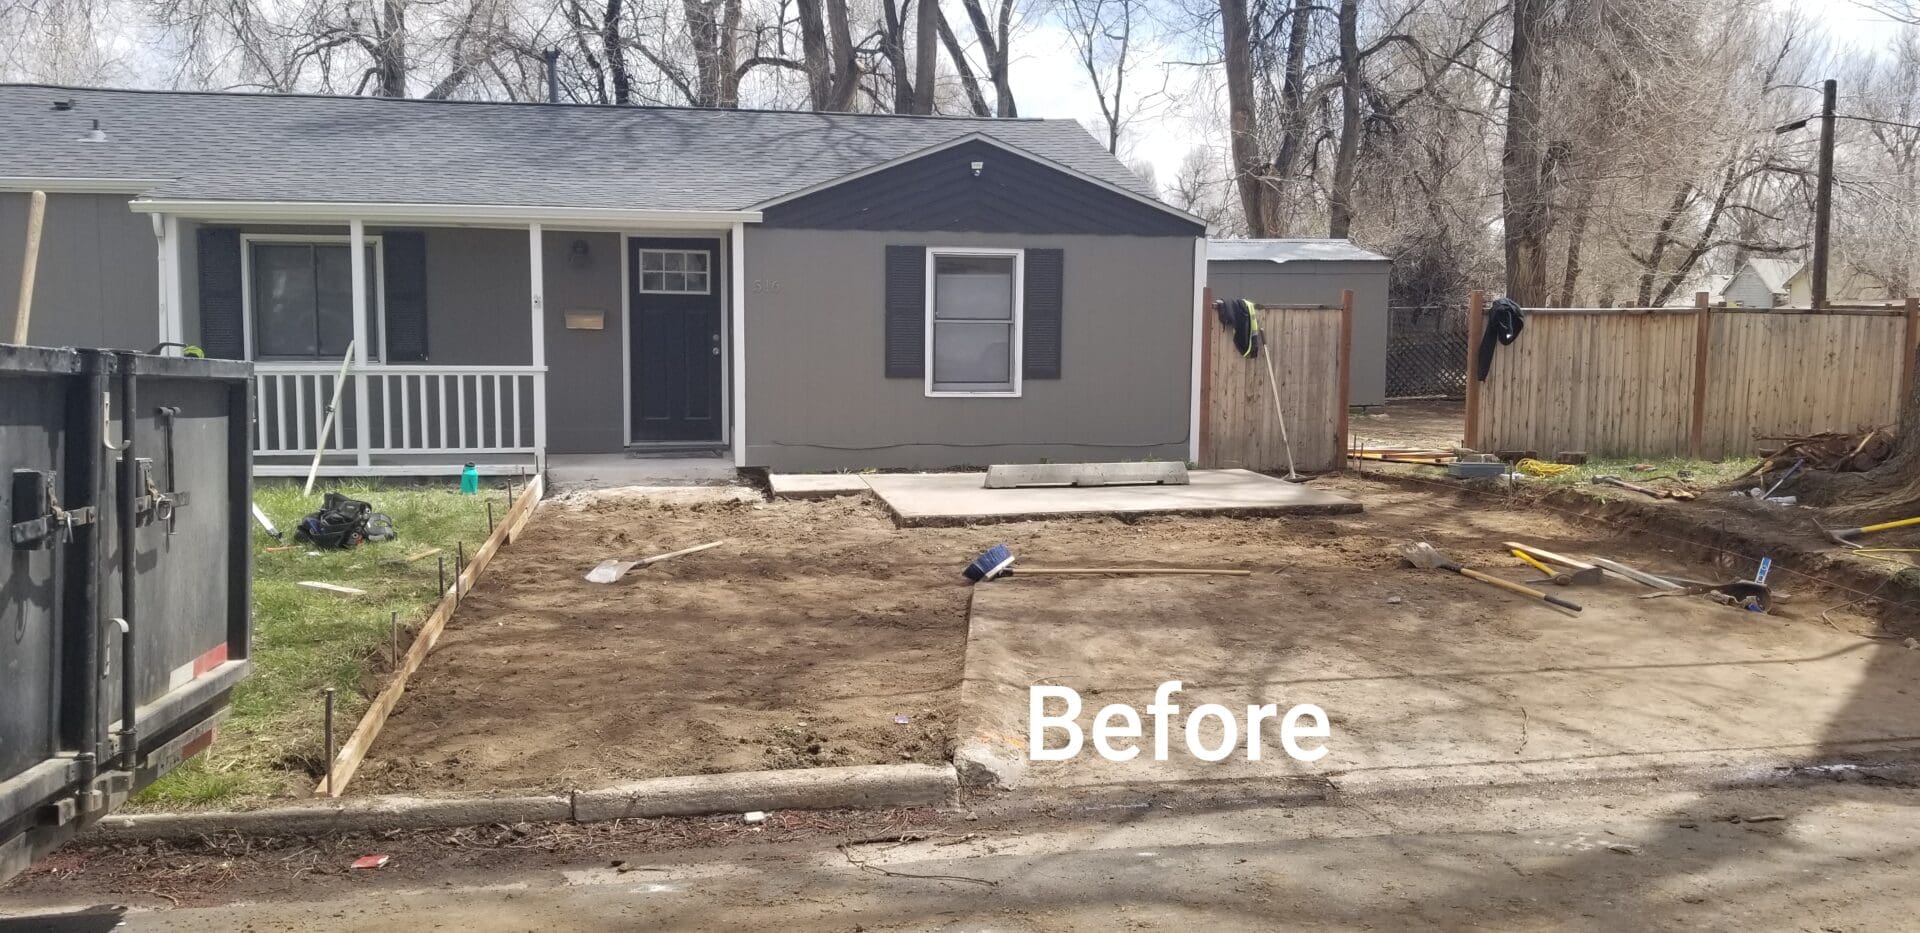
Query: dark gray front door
{"type": "Point", "coordinates": [676, 352]}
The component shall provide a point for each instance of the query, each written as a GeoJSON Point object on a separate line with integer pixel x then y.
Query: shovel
{"type": "Point", "coordinates": [610, 571]}
{"type": "Point", "coordinates": [1427, 557]}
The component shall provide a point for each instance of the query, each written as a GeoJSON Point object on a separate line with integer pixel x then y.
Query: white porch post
{"type": "Point", "coordinates": [536, 273]}
{"type": "Point", "coordinates": [736, 263]}
{"type": "Point", "coordinates": [362, 427]}
{"type": "Point", "coordinates": [166, 238]}
{"type": "Point", "coordinates": [172, 248]}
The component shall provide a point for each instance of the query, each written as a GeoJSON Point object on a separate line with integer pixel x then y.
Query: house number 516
{"type": "Point", "coordinates": [766, 286]}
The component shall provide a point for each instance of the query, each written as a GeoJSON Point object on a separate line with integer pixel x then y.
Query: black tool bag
{"type": "Point", "coordinates": [341, 522]}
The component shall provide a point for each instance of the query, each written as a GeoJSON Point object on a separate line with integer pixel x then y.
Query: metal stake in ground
{"type": "Point", "coordinates": [443, 575]}
{"type": "Point", "coordinates": [327, 727]}
{"type": "Point", "coordinates": [489, 516]}
{"type": "Point", "coordinates": [393, 630]}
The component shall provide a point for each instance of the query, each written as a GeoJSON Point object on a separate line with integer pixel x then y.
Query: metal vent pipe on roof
{"type": "Point", "coordinates": [94, 135]}
{"type": "Point", "coordinates": [553, 75]}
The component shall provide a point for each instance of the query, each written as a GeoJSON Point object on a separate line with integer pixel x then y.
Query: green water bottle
{"type": "Point", "coordinates": [470, 481]}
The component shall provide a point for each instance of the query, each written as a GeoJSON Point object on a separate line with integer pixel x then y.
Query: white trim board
{"type": "Point", "coordinates": [737, 341]}
{"type": "Point", "coordinates": [373, 213]}
{"type": "Point", "coordinates": [1199, 346]}
{"type": "Point", "coordinates": [56, 185]}
{"type": "Point", "coordinates": [1019, 257]}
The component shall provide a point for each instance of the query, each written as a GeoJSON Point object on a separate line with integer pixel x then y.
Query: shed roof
{"type": "Point", "coordinates": [1293, 250]}
{"type": "Point", "coordinates": [312, 148]}
{"type": "Point", "coordinates": [1775, 272]}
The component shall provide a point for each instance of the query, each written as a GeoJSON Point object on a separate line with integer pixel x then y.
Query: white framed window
{"type": "Point", "coordinates": [973, 321]}
{"type": "Point", "coordinates": [675, 272]}
{"type": "Point", "coordinates": [297, 292]}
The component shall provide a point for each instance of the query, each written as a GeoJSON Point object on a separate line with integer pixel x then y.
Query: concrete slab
{"type": "Point", "coordinates": [963, 499]}
{"type": "Point", "coordinates": [1446, 686]}
{"type": "Point", "coordinates": [817, 485]}
{"type": "Point", "coordinates": [589, 471]}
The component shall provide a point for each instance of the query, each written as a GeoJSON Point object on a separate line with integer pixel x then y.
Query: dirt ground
{"type": "Point", "coordinates": [1420, 424]}
{"type": "Point", "coordinates": [799, 642]}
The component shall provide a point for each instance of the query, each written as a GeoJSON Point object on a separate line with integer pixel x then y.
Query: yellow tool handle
{"type": "Point", "coordinates": [1520, 588]}
{"type": "Point", "coordinates": [1889, 526]}
{"type": "Point", "coordinates": [1527, 559]}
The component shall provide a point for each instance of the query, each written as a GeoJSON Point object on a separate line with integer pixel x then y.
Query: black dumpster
{"type": "Point", "coordinates": [124, 596]}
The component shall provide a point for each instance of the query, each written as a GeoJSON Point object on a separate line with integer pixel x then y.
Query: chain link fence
{"type": "Point", "coordinates": [1426, 352]}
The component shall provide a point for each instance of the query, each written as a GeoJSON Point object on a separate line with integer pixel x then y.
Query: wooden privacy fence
{"type": "Point", "coordinates": [1701, 382]}
{"type": "Point", "coordinates": [1311, 350]}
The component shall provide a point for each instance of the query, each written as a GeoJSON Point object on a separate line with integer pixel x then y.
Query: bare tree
{"type": "Point", "coordinates": [1102, 35]}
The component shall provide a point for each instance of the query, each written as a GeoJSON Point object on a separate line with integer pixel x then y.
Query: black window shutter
{"type": "Point", "coordinates": [1042, 301]}
{"type": "Point", "coordinates": [222, 316]}
{"type": "Point", "coordinates": [404, 273]}
{"type": "Point", "coordinates": [906, 311]}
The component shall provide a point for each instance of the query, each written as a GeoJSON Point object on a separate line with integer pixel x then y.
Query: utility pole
{"type": "Point", "coordinates": [1823, 197]}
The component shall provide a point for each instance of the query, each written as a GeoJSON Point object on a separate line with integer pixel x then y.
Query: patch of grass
{"type": "Point", "coordinates": [1697, 474]}
{"type": "Point", "coordinates": [305, 640]}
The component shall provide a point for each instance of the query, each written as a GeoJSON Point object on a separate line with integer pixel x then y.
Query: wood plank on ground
{"type": "Point", "coordinates": [361, 741]}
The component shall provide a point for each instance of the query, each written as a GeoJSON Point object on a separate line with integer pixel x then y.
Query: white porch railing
{"type": "Point", "coordinates": [400, 418]}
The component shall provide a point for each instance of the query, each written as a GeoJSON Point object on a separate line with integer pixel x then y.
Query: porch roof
{"type": "Point", "coordinates": [200, 146]}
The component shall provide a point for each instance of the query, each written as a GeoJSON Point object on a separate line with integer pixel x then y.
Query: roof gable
{"type": "Point", "coordinates": [1010, 191]}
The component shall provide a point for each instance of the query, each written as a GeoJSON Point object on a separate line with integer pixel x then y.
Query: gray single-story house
{"type": "Point", "coordinates": [1309, 272]}
{"type": "Point", "coordinates": [504, 281]}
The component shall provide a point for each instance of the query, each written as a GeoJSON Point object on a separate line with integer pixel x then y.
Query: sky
{"type": "Point", "coordinates": [1050, 82]}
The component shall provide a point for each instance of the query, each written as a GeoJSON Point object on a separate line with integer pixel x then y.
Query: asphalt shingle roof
{"type": "Point", "coordinates": [258, 147]}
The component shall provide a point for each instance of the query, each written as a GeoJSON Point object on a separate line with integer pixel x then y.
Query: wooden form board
{"type": "Point", "coordinates": [1643, 383]}
{"type": "Point", "coordinates": [1309, 363]}
{"type": "Point", "coordinates": [361, 741]}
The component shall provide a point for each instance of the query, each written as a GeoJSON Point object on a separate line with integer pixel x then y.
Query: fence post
{"type": "Point", "coordinates": [1344, 442]}
{"type": "Point", "coordinates": [1205, 453]}
{"type": "Point", "coordinates": [1476, 322]}
{"type": "Point", "coordinates": [1702, 339]}
{"type": "Point", "coordinates": [1912, 346]}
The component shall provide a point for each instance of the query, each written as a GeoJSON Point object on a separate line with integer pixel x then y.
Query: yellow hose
{"type": "Point", "coordinates": [1533, 467]}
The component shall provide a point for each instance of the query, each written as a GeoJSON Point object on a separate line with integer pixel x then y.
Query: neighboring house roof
{"type": "Point", "coordinates": [1775, 272]}
{"type": "Point", "coordinates": [310, 148]}
{"type": "Point", "coordinates": [1289, 251]}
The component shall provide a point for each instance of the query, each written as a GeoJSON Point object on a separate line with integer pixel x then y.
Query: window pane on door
{"type": "Point", "coordinates": [284, 300]}
{"type": "Point", "coordinates": [969, 355]}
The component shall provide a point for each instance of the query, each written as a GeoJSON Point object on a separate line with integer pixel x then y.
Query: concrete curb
{"type": "Point", "coordinates": [350, 815]}
{"type": "Point", "coordinates": [909, 785]}
{"type": "Point", "coordinates": [795, 789]}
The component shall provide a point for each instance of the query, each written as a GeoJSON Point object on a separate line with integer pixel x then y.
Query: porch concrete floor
{"type": "Point", "coordinates": [587, 471]}
{"type": "Point", "coordinates": [962, 498]}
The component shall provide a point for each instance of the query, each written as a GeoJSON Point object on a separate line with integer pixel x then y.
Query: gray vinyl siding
{"type": "Point", "coordinates": [1315, 282]}
{"type": "Point", "coordinates": [585, 400]}
{"type": "Point", "coordinates": [818, 397]}
{"type": "Point", "coordinates": [96, 284]}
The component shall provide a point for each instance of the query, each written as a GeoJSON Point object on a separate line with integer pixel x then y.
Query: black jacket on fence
{"type": "Point", "coordinates": [1504, 322]}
